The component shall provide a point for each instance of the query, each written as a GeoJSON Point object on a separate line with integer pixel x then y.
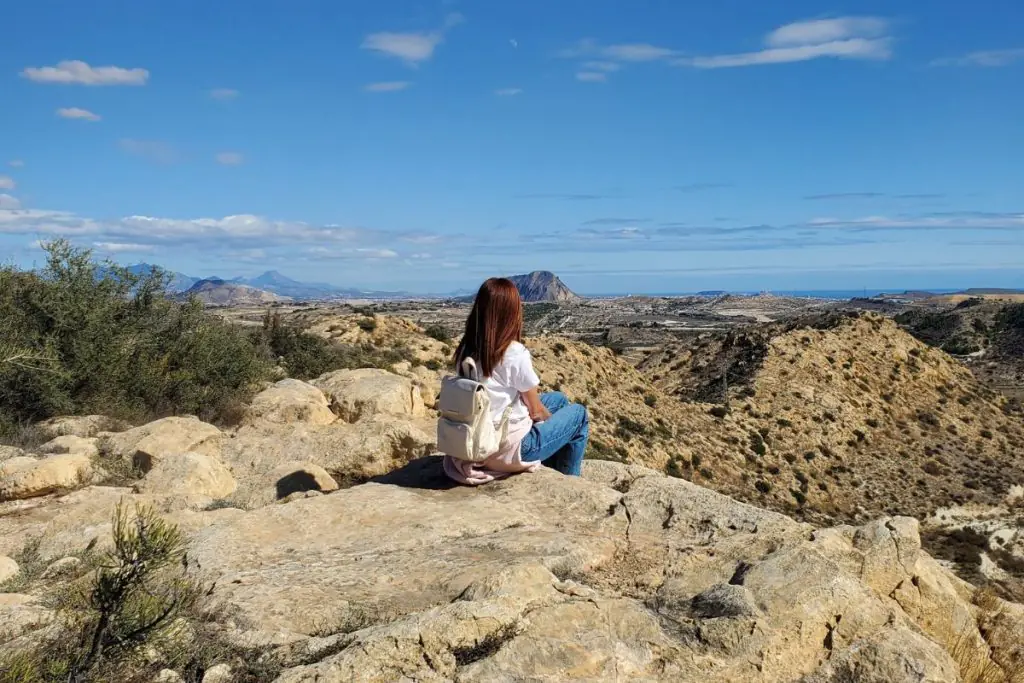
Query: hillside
{"type": "Point", "coordinates": [541, 285]}
{"type": "Point", "coordinates": [222, 293]}
{"type": "Point", "coordinates": [299, 576]}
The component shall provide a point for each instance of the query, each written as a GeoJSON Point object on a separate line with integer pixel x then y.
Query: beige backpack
{"type": "Point", "coordinates": [464, 429]}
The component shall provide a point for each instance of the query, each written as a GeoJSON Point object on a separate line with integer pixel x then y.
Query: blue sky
{"type": "Point", "coordinates": [628, 146]}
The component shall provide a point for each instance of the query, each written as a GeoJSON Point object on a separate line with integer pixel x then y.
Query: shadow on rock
{"type": "Point", "coordinates": [422, 473]}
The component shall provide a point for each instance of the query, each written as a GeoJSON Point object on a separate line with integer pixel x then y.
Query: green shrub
{"type": "Point", "coordinates": [79, 337]}
{"type": "Point", "coordinates": [438, 332]}
{"type": "Point", "coordinates": [367, 324]}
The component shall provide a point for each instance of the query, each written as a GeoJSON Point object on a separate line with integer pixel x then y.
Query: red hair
{"type": "Point", "coordinates": [495, 321]}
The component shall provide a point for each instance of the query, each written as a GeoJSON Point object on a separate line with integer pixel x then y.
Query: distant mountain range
{"type": "Point", "coordinates": [271, 281]}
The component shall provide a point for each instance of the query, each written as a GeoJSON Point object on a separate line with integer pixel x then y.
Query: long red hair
{"type": "Point", "coordinates": [495, 321]}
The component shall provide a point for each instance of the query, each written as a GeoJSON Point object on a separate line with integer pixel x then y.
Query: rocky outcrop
{"type": "Point", "coordinates": [85, 426]}
{"type": "Point", "coordinates": [188, 476]}
{"type": "Point", "coordinates": [27, 477]}
{"type": "Point", "coordinates": [291, 401]}
{"type": "Point", "coordinates": [145, 446]}
{"type": "Point", "coordinates": [623, 575]}
{"type": "Point", "coordinates": [356, 394]}
{"type": "Point", "coordinates": [542, 285]}
{"type": "Point", "coordinates": [71, 444]}
{"type": "Point", "coordinates": [8, 569]}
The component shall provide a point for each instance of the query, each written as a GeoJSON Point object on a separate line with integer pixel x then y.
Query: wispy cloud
{"type": "Point", "coordinates": [610, 67]}
{"type": "Point", "coordinates": [591, 76]}
{"type": "Point", "coordinates": [620, 52]}
{"type": "Point", "coordinates": [863, 38]}
{"type": "Point", "coordinates": [984, 58]}
{"type": "Point", "coordinates": [15, 163]}
{"type": "Point", "coordinates": [76, 113]}
{"type": "Point", "coordinates": [938, 221]}
{"type": "Point", "coordinates": [700, 187]}
{"type": "Point", "coordinates": [508, 92]}
{"type": "Point", "coordinates": [387, 86]}
{"type": "Point", "coordinates": [123, 247]}
{"type": "Point", "coordinates": [230, 158]}
{"type": "Point", "coordinates": [348, 254]}
{"type": "Point", "coordinates": [7, 183]}
{"type": "Point", "coordinates": [411, 47]}
{"type": "Point", "coordinates": [224, 94]}
{"type": "Point", "coordinates": [76, 72]}
{"type": "Point", "coordinates": [9, 202]}
{"type": "Point", "coordinates": [151, 150]}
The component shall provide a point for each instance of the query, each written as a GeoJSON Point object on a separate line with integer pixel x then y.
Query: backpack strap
{"type": "Point", "coordinates": [468, 369]}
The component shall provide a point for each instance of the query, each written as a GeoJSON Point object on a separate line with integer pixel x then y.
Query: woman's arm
{"type": "Point", "coordinates": [538, 413]}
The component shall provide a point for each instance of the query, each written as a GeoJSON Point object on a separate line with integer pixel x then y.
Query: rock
{"type": "Point", "coordinates": [8, 452]}
{"type": "Point", "coordinates": [290, 401]}
{"type": "Point", "coordinates": [71, 444]}
{"type": "Point", "coordinates": [146, 445]}
{"type": "Point", "coordinates": [292, 478]}
{"type": "Point", "coordinates": [189, 475]}
{"type": "Point", "coordinates": [635, 576]}
{"type": "Point", "coordinates": [168, 676]}
{"type": "Point", "coordinates": [220, 673]}
{"type": "Point", "coordinates": [356, 394]}
{"type": "Point", "coordinates": [24, 477]}
{"type": "Point", "coordinates": [20, 617]}
{"type": "Point", "coordinates": [62, 567]}
{"type": "Point", "coordinates": [85, 426]}
{"type": "Point", "coordinates": [8, 569]}
{"type": "Point", "coordinates": [63, 525]}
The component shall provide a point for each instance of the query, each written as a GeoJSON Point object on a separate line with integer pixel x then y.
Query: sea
{"type": "Point", "coordinates": [829, 294]}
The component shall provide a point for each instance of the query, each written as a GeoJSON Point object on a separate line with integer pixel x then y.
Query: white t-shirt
{"type": "Point", "coordinates": [514, 375]}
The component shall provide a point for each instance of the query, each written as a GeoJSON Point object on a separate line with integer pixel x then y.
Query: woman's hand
{"type": "Point", "coordinates": [538, 412]}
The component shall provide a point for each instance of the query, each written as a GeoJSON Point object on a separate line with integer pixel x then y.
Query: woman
{"type": "Point", "coordinates": [542, 428]}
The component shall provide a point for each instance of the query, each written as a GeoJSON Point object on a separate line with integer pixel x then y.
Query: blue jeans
{"type": "Point", "coordinates": [561, 441]}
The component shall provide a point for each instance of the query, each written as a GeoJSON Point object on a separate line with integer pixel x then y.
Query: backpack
{"type": "Point", "coordinates": [464, 429]}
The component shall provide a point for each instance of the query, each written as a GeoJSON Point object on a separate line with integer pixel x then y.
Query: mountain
{"type": "Point", "coordinates": [223, 293]}
{"type": "Point", "coordinates": [542, 285]}
{"type": "Point", "coordinates": [176, 282]}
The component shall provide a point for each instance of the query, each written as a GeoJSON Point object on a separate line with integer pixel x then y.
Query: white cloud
{"type": "Point", "coordinates": [77, 72]}
{"type": "Point", "coordinates": [387, 86]}
{"type": "Point", "coordinates": [7, 183]}
{"type": "Point", "coordinates": [123, 247]}
{"type": "Point", "coordinates": [591, 76]}
{"type": "Point", "coordinates": [9, 202]}
{"type": "Point", "coordinates": [230, 158]}
{"type": "Point", "coordinates": [352, 253]}
{"type": "Point", "coordinates": [637, 52]}
{"type": "Point", "coordinates": [15, 163]}
{"type": "Point", "coordinates": [151, 150]}
{"type": "Point", "coordinates": [602, 66]}
{"type": "Point", "coordinates": [76, 113]}
{"type": "Point", "coordinates": [224, 94]}
{"type": "Point", "coordinates": [508, 92]}
{"type": "Point", "coordinates": [864, 38]}
{"type": "Point", "coordinates": [411, 47]}
{"type": "Point", "coordinates": [984, 58]}
{"type": "Point", "coordinates": [962, 220]}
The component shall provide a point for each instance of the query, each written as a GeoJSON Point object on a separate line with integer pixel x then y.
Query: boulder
{"type": "Point", "coordinates": [8, 452]}
{"type": "Point", "coordinates": [291, 401]}
{"type": "Point", "coordinates": [358, 394]}
{"type": "Point", "coordinates": [296, 477]}
{"type": "Point", "coordinates": [85, 426]}
{"type": "Point", "coordinates": [25, 477]}
{"type": "Point", "coordinates": [629, 576]}
{"type": "Point", "coordinates": [20, 616]}
{"type": "Point", "coordinates": [146, 445]}
{"type": "Point", "coordinates": [219, 673]}
{"type": "Point", "coordinates": [62, 567]}
{"type": "Point", "coordinates": [71, 444]}
{"type": "Point", "coordinates": [188, 475]}
{"type": "Point", "coordinates": [8, 569]}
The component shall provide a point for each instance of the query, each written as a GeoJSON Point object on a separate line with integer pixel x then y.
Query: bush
{"type": "Point", "coordinates": [367, 324]}
{"type": "Point", "coordinates": [79, 337]}
{"type": "Point", "coordinates": [133, 602]}
{"type": "Point", "coordinates": [438, 332]}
